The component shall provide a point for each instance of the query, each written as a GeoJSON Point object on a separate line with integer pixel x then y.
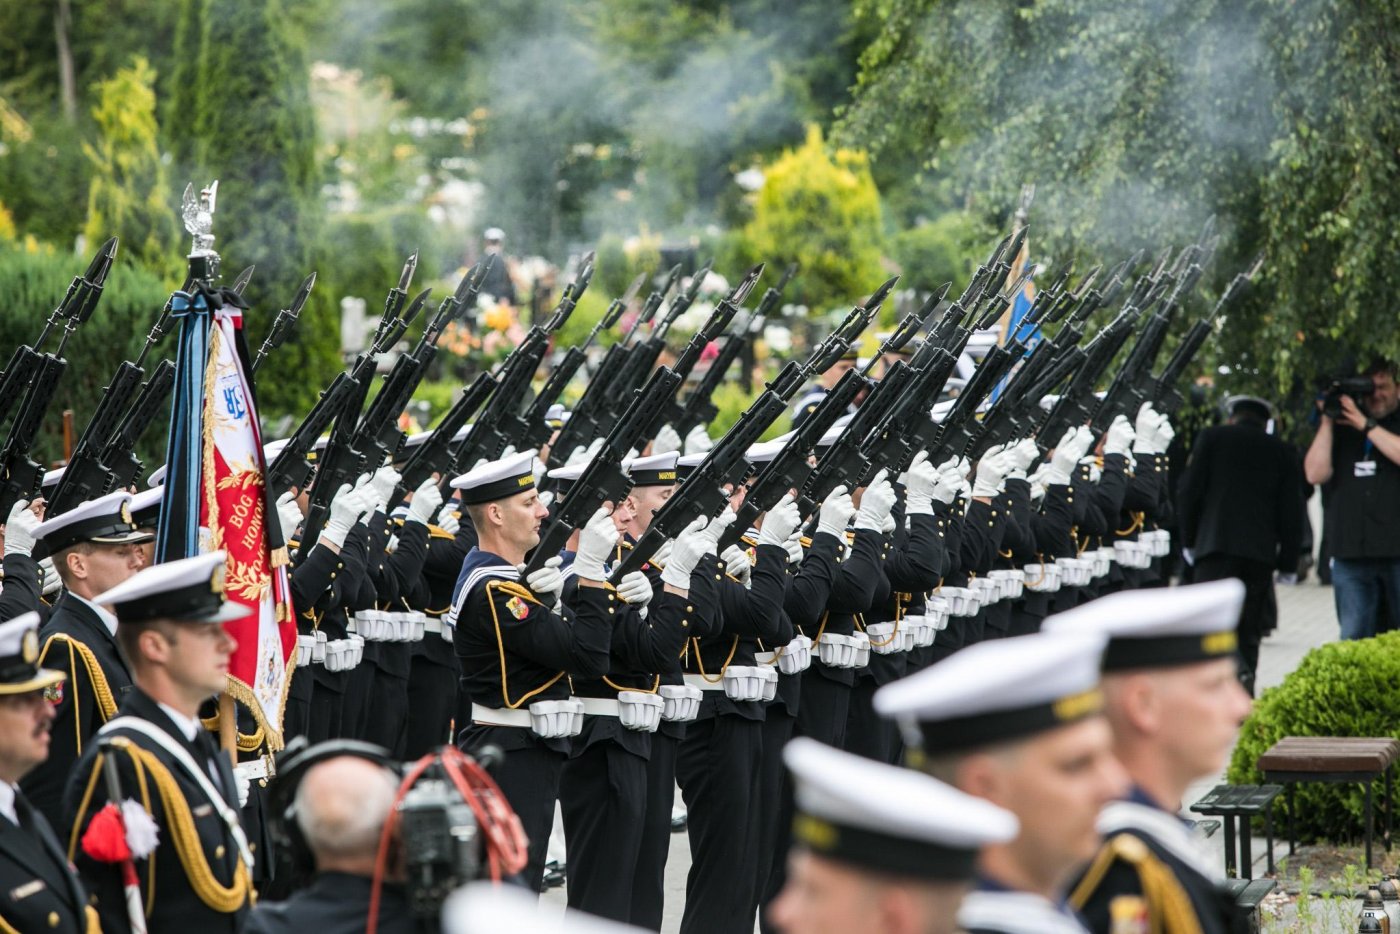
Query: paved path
{"type": "Point", "coordinates": [1306, 619]}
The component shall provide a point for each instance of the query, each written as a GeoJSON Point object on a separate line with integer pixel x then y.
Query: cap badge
{"type": "Point", "coordinates": [29, 647]}
{"type": "Point", "coordinates": [216, 579]}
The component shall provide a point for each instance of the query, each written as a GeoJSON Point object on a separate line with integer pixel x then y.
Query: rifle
{"type": "Point", "coordinates": [119, 456]}
{"type": "Point", "coordinates": [642, 357]}
{"type": "Point", "coordinates": [87, 474]}
{"type": "Point", "coordinates": [604, 480]}
{"type": "Point", "coordinates": [1164, 394]}
{"type": "Point", "coordinates": [591, 414]}
{"type": "Point", "coordinates": [434, 456]}
{"type": "Point", "coordinates": [77, 305]}
{"type": "Point", "coordinates": [699, 408]}
{"type": "Point", "coordinates": [343, 461]}
{"type": "Point", "coordinates": [715, 325]}
{"type": "Point", "coordinates": [282, 324]}
{"type": "Point", "coordinates": [527, 429]}
{"type": "Point", "coordinates": [702, 493]}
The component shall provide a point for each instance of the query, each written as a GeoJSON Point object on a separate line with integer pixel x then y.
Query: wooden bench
{"type": "Point", "coordinates": [1333, 759]}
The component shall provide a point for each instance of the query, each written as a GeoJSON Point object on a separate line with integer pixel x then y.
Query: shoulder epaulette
{"type": "Point", "coordinates": [1168, 904]}
{"type": "Point", "coordinates": [106, 703]}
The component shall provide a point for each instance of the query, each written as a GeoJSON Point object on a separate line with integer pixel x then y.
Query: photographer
{"type": "Point", "coordinates": [341, 805]}
{"type": "Point", "coordinates": [1356, 455]}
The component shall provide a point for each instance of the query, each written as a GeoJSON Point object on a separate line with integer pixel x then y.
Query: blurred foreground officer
{"type": "Point", "coordinates": [172, 633]}
{"type": "Point", "coordinates": [341, 805]}
{"type": "Point", "coordinates": [482, 907]}
{"type": "Point", "coordinates": [1175, 707]}
{"type": "Point", "coordinates": [41, 888]}
{"type": "Point", "coordinates": [878, 849]}
{"type": "Point", "coordinates": [1020, 723]}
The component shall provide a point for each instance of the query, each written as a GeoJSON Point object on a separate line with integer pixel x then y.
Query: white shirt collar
{"type": "Point", "coordinates": [189, 726]}
{"type": "Point", "coordinates": [7, 802]}
{"type": "Point", "coordinates": [107, 618]}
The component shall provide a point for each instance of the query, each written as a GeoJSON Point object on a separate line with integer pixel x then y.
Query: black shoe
{"type": "Point", "coordinates": [678, 823]}
{"type": "Point", "coordinates": [554, 874]}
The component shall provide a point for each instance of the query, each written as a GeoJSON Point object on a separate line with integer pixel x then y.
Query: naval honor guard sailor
{"type": "Point", "coordinates": [1019, 722]}
{"type": "Point", "coordinates": [1174, 699]}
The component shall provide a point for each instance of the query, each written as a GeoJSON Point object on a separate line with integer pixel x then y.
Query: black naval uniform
{"type": "Point", "coordinates": [39, 888]}
{"type": "Point", "coordinates": [1149, 850]}
{"type": "Point", "coordinates": [388, 715]}
{"type": "Point", "coordinates": [433, 671]}
{"type": "Point", "coordinates": [603, 790]}
{"type": "Point", "coordinates": [23, 586]}
{"type": "Point", "coordinates": [718, 762]}
{"type": "Point", "coordinates": [1050, 538]}
{"type": "Point", "coordinates": [77, 643]}
{"type": "Point", "coordinates": [177, 905]}
{"type": "Point", "coordinates": [500, 621]}
{"type": "Point", "coordinates": [334, 903]}
{"type": "Point", "coordinates": [378, 587]}
{"type": "Point", "coordinates": [318, 580]}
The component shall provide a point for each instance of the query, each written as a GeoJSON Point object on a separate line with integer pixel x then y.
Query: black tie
{"type": "Point", "coordinates": [209, 751]}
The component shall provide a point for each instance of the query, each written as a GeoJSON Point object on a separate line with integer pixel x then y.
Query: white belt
{"type": "Point", "coordinates": [703, 683]}
{"type": "Point", "coordinates": [253, 770]}
{"type": "Point", "coordinates": [599, 706]}
{"type": "Point", "coordinates": [432, 624]}
{"type": "Point", "coordinates": [500, 716]}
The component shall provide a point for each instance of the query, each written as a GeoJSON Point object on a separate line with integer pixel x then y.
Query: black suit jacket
{"type": "Point", "coordinates": [334, 903]}
{"type": "Point", "coordinates": [176, 906]}
{"type": "Point", "coordinates": [78, 714]}
{"type": "Point", "coordinates": [23, 587]}
{"type": "Point", "coordinates": [1242, 496]}
{"type": "Point", "coordinates": [38, 885]}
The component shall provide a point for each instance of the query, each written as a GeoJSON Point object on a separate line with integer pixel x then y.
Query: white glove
{"type": "Point", "coordinates": [383, 483]}
{"type": "Point", "coordinates": [794, 547]}
{"type": "Point", "coordinates": [736, 563]}
{"type": "Point", "coordinates": [51, 579]}
{"type": "Point", "coordinates": [920, 486]}
{"type": "Point", "coordinates": [1165, 433]}
{"type": "Point", "coordinates": [1119, 439]}
{"type": "Point", "coordinates": [687, 550]}
{"type": "Point", "coordinates": [243, 781]}
{"type": "Point", "coordinates": [365, 490]}
{"type": "Point", "coordinates": [288, 516]}
{"type": "Point", "coordinates": [635, 589]}
{"type": "Point", "coordinates": [663, 554]}
{"type": "Point", "coordinates": [19, 529]}
{"type": "Point", "coordinates": [991, 476]}
{"type": "Point", "coordinates": [427, 499]}
{"type": "Point", "coordinates": [447, 519]}
{"type": "Point", "coordinates": [547, 499]}
{"type": "Point", "coordinates": [666, 440]}
{"type": "Point", "coordinates": [1037, 480]}
{"type": "Point", "coordinates": [547, 583]}
{"type": "Point", "coordinates": [697, 441]}
{"type": "Point", "coordinates": [716, 528]}
{"type": "Point", "coordinates": [346, 508]}
{"type": "Point", "coordinates": [1288, 580]}
{"type": "Point", "coordinates": [596, 541]}
{"type": "Point", "coordinates": [1066, 456]}
{"type": "Point", "coordinates": [1146, 421]}
{"type": "Point", "coordinates": [582, 455]}
{"type": "Point", "coordinates": [1020, 456]}
{"type": "Point", "coordinates": [949, 480]}
{"type": "Point", "coordinates": [1092, 462]}
{"type": "Point", "coordinates": [876, 503]}
{"type": "Point", "coordinates": [836, 513]}
{"type": "Point", "coordinates": [780, 522]}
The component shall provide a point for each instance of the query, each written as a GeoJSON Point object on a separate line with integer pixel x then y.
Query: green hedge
{"type": "Point", "coordinates": [1340, 689]}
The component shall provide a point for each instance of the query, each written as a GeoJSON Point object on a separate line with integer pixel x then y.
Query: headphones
{"type": "Point", "coordinates": [292, 854]}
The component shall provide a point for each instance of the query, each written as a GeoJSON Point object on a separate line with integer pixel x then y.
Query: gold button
{"type": "Point", "coordinates": [685, 622]}
{"type": "Point", "coordinates": [53, 919]}
{"type": "Point", "coordinates": [690, 609]}
{"type": "Point", "coordinates": [610, 609]}
{"type": "Point", "coordinates": [252, 848]}
{"type": "Point", "coordinates": [219, 851]}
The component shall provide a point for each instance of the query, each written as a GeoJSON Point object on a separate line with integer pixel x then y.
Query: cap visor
{"type": "Point", "coordinates": [43, 679]}
{"type": "Point", "coordinates": [227, 613]}
{"type": "Point", "coordinates": [126, 538]}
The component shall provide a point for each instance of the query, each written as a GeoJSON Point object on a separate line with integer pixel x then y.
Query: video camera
{"type": "Point", "coordinates": [1358, 387]}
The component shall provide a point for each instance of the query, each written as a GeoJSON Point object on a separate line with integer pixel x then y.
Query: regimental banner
{"type": "Point", "coordinates": [217, 474]}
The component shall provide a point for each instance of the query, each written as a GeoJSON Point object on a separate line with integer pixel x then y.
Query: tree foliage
{"type": "Point", "coordinates": [820, 209]}
{"type": "Point", "coordinates": [127, 197]}
{"type": "Point", "coordinates": [1138, 121]}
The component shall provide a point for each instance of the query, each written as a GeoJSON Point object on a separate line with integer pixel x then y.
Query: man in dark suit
{"type": "Point", "coordinates": [95, 546]}
{"type": "Point", "coordinates": [341, 805]}
{"type": "Point", "coordinates": [172, 637]}
{"type": "Point", "coordinates": [43, 890]}
{"type": "Point", "coordinates": [1241, 515]}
